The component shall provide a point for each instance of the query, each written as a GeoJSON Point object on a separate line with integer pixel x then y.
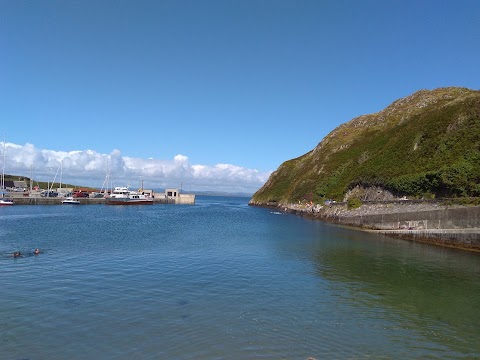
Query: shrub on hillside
{"type": "Point", "coordinates": [354, 203]}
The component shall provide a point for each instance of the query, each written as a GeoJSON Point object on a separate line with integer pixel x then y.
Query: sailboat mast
{"type": "Point", "coordinates": [105, 187]}
{"type": "Point", "coordinates": [31, 178]}
{"type": "Point", "coordinates": [61, 172]}
{"type": "Point", "coordinates": [3, 163]}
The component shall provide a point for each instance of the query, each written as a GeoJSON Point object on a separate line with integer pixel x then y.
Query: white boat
{"type": "Point", "coordinates": [121, 195]}
{"type": "Point", "coordinates": [6, 202]}
{"type": "Point", "coordinates": [70, 200]}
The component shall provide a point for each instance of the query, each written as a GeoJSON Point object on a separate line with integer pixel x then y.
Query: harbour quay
{"type": "Point", "coordinates": [170, 196]}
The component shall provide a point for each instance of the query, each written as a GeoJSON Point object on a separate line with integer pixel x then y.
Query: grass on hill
{"type": "Point", "coordinates": [428, 146]}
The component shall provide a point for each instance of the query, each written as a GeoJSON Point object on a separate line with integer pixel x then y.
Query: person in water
{"type": "Point", "coordinates": [17, 254]}
{"type": "Point", "coordinates": [36, 251]}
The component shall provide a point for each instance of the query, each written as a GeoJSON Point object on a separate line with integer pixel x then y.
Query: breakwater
{"type": "Point", "coordinates": [424, 221]}
{"type": "Point", "coordinates": [84, 201]}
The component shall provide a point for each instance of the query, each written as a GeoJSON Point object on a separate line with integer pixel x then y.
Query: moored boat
{"type": "Point", "coordinates": [70, 200]}
{"type": "Point", "coordinates": [121, 195]}
{"type": "Point", "coordinates": [6, 202]}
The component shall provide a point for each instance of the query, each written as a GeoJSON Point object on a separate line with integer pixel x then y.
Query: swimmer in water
{"type": "Point", "coordinates": [17, 254]}
{"type": "Point", "coordinates": [36, 251]}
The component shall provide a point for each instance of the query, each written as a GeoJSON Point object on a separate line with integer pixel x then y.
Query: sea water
{"type": "Point", "coordinates": [223, 280]}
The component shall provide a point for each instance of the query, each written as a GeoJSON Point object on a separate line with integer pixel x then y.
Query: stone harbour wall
{"type": "Point", "coordinates": [426, 221]}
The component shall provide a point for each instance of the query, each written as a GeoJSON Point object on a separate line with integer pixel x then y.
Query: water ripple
{"type": "Point", "coordinates": [221, 280]}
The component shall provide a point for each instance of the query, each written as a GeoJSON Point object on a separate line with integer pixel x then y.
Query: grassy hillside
{"type": "Point", "coordinates": [43, 184]}
{"type": "Point", "coordinates": [424, 145]}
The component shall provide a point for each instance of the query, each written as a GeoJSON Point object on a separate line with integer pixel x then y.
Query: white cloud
{"type": "Point", "coordinates": [89, 168]}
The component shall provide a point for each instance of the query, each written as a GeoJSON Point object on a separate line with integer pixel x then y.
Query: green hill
{"type": "Point", "coordinates": [42, 184]}
{"type": "Point", "coordinates": [424, 145]}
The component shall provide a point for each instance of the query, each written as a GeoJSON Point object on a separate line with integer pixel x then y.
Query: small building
{"type": "Point", "coordinates": [20, 184]}
{"type": "Point", "coordinates": [174, 194]}
{"type": "Point", "coordinates": [9, 184]}
{"type": "Point", "coordinates": [171, 193]}
{"type": "Point", "coordinates": [147, 192]}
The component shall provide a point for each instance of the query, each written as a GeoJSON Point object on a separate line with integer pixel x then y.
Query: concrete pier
{"type": "Point", "coordinates": [20, 199]}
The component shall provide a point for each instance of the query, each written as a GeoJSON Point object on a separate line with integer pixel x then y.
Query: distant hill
{"type": "Point", "coordinates": [9, 178]}
{"type": "Point", "coordinates": [424, 145]}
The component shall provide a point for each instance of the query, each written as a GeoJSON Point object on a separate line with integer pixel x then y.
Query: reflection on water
{"type": "Point", "coordinates": [222, 280]}
{"type": "Point", "coordinates": [433, 290]}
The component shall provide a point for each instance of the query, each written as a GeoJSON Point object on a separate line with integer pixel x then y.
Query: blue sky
{"type": "Point", "coordinates": [212, 94]}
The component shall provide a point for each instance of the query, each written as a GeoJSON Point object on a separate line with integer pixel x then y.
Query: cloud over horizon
{"type": "Point", "coordinates": [89, 168]}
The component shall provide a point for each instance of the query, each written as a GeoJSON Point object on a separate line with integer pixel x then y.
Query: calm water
{"type": "Point", "coordinates": [222, 280]}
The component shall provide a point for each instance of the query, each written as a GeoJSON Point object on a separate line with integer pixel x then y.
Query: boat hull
{"type": "Point", "coordinates": [128, 202]}
{"type": "Point", "coordinates": [122, 196]}
{"type": "Point", "coordinates": [70, 201]}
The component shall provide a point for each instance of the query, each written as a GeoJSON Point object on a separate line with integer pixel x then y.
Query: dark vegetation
{"type": "Point", "coordinates": [426, 145]}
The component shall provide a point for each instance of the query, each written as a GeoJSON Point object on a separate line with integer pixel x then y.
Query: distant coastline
{"type": "Point", "coordinates": [221, 193]}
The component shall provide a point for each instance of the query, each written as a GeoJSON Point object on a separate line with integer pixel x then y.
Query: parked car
{"type": "Point", "coordinates": [80, 194]}
{"type": "Point", "coordinates": [46, 193]}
